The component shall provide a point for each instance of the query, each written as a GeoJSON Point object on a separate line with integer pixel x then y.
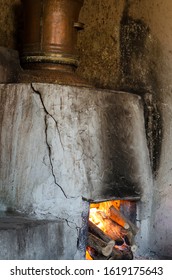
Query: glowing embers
{"type": "Point", "coordinates": [110, 233]}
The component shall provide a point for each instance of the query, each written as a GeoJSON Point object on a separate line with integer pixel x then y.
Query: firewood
{"type": "Point", "coordinates": [96, 243]}
{"type": "Point", "coordinates": [112, 229]}
{"type": "Point", "coordinates": [98, 232]}
{"type": "Point", "coordinates": [119, 218]}
{"type": "Point", "coordinates": [101, 247]}
{"type": "Point", "coordinates": [120, 255]}
{"type": "Point", "coordinates": [106, 251]}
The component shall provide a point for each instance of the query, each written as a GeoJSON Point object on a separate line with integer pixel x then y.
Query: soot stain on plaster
{"type": "Point", "coordinates": [121, 175]}
{"type": "Point", "coordinates": [154, 131]}
{"type": "Point", "coordinates": [133, 36]}
{"type": "Point", "coordinates": [138, 76]}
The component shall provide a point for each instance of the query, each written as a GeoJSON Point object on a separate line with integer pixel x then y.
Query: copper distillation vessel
{"type": "Point", "coordinates": [49, 41]}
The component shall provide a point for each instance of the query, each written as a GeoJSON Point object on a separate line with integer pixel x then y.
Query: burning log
{"type": "Point", "coordinates": [103, 248]}
{"type": "Point", "coordinates": [96, 243]}
{"type": "Point", "coordinates": [119, 218]}
{"type": "Point", "coordinates": [98, 232]}
{"type": "Point", "coordinates": [111, 235]}
{"type": "Point", "coordinates": [111, 228]}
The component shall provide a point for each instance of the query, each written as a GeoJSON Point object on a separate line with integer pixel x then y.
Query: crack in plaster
{"type": "Point", "coordinates": [76, 227]}
{"type": "Point", "coordinates": [50, 157]}
{"type": "Point", "coordinates": [46, 137]}
{"type": "Point", "coordinates": [47, 114]}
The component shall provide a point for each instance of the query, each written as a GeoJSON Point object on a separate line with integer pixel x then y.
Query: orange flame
{"type": "Point", "coordinates": [102, 208]}
{"type": "Point", "coordinates": [94, 215]}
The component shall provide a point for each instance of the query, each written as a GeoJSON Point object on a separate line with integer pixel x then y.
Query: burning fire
{"type": "Point", "coordinates": [101, 209]}
{"type": "Point", "coordinates": [110, 233]}
{"type": "Point", "coordinates": [97, 212]}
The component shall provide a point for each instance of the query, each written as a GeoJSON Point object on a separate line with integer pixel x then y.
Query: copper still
{"type": "Point", "coordinates": [49, 40]}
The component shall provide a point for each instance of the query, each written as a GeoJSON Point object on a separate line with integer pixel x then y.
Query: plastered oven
{"type": "Point", "coordinates": [63, 147]}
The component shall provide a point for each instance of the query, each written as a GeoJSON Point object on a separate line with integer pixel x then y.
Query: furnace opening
{"type": "Point", "coordinates": [111, 230]}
